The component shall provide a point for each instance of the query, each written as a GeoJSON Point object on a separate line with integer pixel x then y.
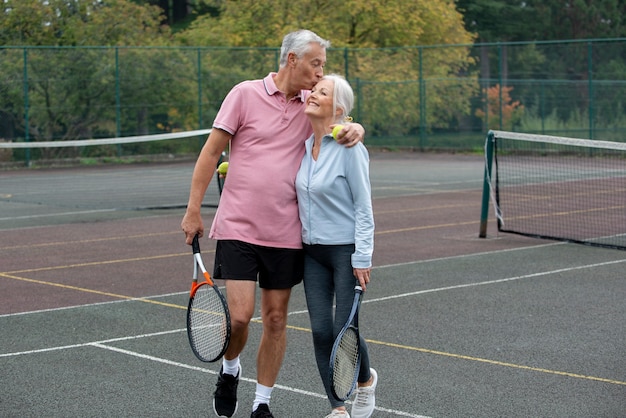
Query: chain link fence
{"type": "Point", "coordinates": [442, 97]}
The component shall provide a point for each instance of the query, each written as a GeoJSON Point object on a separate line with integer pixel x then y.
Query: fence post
{"type": "Point", "coordinates": [26, 106]}
{"type": "Point", "coordinates": [590, 84]}
{"type": "Point", "coordinates": [422, 95]}
{"type": "Point", "coordinates": [358, 101]}
{"type": "Point", "coordinates": [118, 101]}
{"type": "Point", "coordinates": [345, 63]}
{"type": "Point", "coordinates": [500, 81]}
{"type": "Point", "coordinates": [199, 64]}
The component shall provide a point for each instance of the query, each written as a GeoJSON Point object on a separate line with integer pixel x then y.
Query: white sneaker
{"type": "Point", "coordinates": [336, 413]}
{"type": "Point", "coordinates": [365, 399]}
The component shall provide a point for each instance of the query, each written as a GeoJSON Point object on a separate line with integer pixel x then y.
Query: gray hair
{"type": "Point", "coordinates": [299, 42]}
{"type": "Point", "coordinates": [343, 97]}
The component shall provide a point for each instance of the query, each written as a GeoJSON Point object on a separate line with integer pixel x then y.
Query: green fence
{"type": "Point", "coordinates": [423, 97]}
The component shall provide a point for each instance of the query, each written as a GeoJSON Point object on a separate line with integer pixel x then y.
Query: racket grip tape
{"type": "Point", "coordinates": [195, 244]}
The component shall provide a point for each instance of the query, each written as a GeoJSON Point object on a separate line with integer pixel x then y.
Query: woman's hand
{"type": "Point", "coordinates": [363, 275]}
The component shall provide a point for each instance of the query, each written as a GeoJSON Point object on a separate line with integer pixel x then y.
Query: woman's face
{"type": "Point", "coordinates": [320, 101]}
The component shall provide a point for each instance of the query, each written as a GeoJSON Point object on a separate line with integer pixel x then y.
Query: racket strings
{"type": "Point", "coordinates": [208, 328]}
{"type": "Point", "coordinates": [346, 364]}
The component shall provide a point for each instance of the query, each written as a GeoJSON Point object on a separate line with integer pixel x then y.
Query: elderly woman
{"type": "Point", "coordinates": [335, 205]}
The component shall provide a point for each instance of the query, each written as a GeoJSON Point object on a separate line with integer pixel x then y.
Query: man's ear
{"type": "Point", "coordinates": [292, 58]}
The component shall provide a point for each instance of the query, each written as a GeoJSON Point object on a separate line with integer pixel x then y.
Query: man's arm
{"type": "Point", "coordinates": [202, 174]}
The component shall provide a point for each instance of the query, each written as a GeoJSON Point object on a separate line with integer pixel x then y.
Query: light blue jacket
{"type": "Point", "coordinates": [335, 198]}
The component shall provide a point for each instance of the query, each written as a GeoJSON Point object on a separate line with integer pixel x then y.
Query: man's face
{"type": "Point", "coordinates": [310, 68]}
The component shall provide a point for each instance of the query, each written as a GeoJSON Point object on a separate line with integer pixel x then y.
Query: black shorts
{"type": "Point", "coordinates": [275, 268]}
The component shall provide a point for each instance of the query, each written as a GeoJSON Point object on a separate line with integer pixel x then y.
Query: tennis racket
{"type": "Point", "coordinates": [345, 358]}
{"type": "Point", "coordinates": [208, 319]}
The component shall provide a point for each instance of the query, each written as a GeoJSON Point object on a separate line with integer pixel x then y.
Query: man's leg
{"type": "Point", "coordinates": [240, 295]}
{"type": "Point", "coordinates": [241, 298]}
{"type": "Point", "coordinates": [274, 306]}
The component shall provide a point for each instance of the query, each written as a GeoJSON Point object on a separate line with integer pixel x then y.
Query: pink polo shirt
{"type": "Point", "coordinates": [258, 204]}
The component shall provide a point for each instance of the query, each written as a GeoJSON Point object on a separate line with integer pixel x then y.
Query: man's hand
{"type": "Point", "coordinates": [192, 225]}
{"type": "Point", "coordinates": [351, 134]}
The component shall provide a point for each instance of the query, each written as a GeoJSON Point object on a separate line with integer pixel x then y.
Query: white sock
{"type": "Point", "coordinates": [262, 395]}
{"type": "Point", "coordinates": [230, 367]}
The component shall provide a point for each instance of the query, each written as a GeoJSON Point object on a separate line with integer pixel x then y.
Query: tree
{"type": "Point", "coordinates": [578, 19]}
{"type": "Point", "coordinates": [548, 20]}
{"type": "Point", "coordinates": [497, 20]}
{"type": "Point", "coordinates": [73, 92]}
{"type": "Point", "coordinates": [399, 27]}
{"type": "Point", "coordinates": [502, 112]}
{"type": "Point", "coordinates": [80, 22]}
{"type": "Point", "coordinates": [543, 20]}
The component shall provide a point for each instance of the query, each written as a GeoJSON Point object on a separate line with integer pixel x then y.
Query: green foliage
{"type": "Point", "coordinates": [76, 92]}
{"type": "Point", "coordinates": [575, 124]}
{"type": "Point", "coordinates": [380, 30]}
{"type": "Point", "coordinates": [513, 20]}
{"type": "Point", "coordinates": [577, 19]}
{"type": "Point", "coordinates": [115, 68]}
{"type": "Point", "coordinates": [80, 22]}
{"type": "Point", "coordinates": [354, 23]}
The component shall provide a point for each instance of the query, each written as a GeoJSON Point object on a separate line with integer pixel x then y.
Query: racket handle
{"type": "Point", "coordinates": [195, 244]}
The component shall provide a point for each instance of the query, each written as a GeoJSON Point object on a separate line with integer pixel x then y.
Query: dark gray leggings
{"type": "Point", "coordinates": [328, 272]}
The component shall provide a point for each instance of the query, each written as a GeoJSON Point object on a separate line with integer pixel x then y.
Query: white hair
{"type": "Point", "coordinates": [343, 97]}
{"type": "Point", "coordinates": [299, 42]}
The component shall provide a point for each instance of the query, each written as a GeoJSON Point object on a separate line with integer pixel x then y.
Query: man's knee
{"type": "Point", "coordinates": [275, 309]}
{"type": "Point", "coordinates": [275, 320]}
{"type": "Point", "coordinates": [239, 323]}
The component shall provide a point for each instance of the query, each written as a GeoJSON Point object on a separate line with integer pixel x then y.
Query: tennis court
{"type": "Point", "coordinates": [94, 280]}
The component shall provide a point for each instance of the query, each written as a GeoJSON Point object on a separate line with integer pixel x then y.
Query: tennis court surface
{"type": "Point", "coordinates": [95, 274]}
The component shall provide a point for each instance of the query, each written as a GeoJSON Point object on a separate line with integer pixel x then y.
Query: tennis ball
{"type": "Point", "coordinates": [223, 168]}
{"type": "Point", "coordinates": [336, 130]}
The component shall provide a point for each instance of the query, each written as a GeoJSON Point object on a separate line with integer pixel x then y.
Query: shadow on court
{"type": "Point", "coordinates": [93, 293]}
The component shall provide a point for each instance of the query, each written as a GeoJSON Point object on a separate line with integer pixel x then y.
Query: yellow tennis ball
{"type": "Point", "coordinates": [336, 130]}
{"type": "Point", "coordinates": [223, 168]}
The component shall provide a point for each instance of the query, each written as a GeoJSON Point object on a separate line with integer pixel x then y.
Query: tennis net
{"type": "Point", "coordinates": [105, 150]}
{"type": "Point", "coordinates": [564, 189]}
{"type": "Point", "coordinates": [116, 174]}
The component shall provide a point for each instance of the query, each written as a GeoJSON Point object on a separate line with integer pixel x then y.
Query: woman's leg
{"type": "Point", "coordinates": [319, 291]}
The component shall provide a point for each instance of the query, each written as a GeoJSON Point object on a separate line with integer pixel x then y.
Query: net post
{"type": "Point", "coordinates": [484, 213]}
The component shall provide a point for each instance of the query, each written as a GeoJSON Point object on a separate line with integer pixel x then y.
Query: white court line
{"type": "Point", "coordinates": [102, 345]}
{"type": "Point", "coordinates": [418, 292]}
{"type": "Point", "coordinates": [408, 263]}
{"type": "Point", "coordinates": [88, 305]}
{"type": "Point", "coordinates": [253, 381]}
{"type": "Point", "coordinates": [461, 286]}
{"type": "Point", "coordinates": [67, 347]}
{"type": "Point", "coordinates": [509, 279]}
{"type": "Point", "coordinates": [48, 215]}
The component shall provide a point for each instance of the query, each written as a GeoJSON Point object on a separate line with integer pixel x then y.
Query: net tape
{"type": "Point", "coordinates": [560, 140]}
{"type": "Point", "coordinates": [105, 141]}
